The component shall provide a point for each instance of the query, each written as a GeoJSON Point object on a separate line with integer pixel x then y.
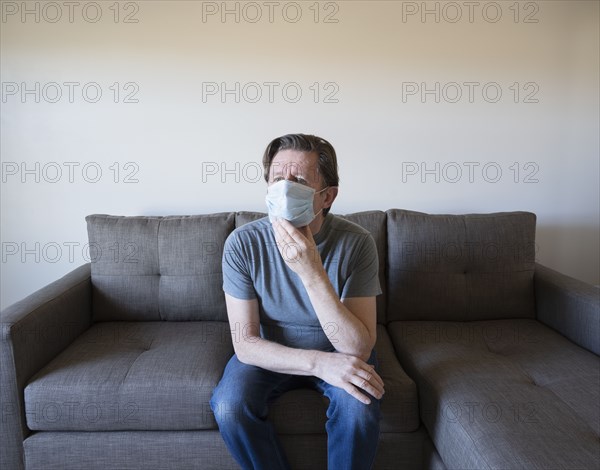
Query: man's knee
{"type": "Point", "coordinates": [227, 408]}
{"type": "Point", "coordinates": [235, 405]}
{"type": "Point", "coordinates": [344, 408]}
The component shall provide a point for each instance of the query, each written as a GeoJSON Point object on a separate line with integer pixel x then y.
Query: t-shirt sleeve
{"type": "Point", "coordinates": [363, 280]}
{"type": "Point", "coordinates": [237, 281]}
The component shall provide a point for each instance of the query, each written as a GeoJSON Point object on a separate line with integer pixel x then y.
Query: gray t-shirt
{"type": "Point", "coordinates": [254, 268]}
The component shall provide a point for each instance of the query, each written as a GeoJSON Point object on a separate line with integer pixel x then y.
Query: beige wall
{"type": "Point", "coordinates": [183, 149]}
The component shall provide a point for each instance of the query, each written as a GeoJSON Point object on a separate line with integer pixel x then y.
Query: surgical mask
{"type": "Point", "coordinates": [291, 201]}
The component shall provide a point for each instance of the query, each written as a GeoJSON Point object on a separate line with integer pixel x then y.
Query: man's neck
{"type": "Point", "coordinates": [316, 224]}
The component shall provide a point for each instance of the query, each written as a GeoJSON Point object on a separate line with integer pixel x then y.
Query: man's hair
{"type": "Point", "coordinates": [327, 159]}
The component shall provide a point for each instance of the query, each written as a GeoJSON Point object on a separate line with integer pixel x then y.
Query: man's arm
{"type": "Point", "coordinates": [341, 370]}
{"type": "Point", "coordinates": [350, 324]}
{"type": "Point", "coordinates": [252, 349]}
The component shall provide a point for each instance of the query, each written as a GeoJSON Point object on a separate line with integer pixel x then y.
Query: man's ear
{"type": "Point", "coordinates": [331, 194]}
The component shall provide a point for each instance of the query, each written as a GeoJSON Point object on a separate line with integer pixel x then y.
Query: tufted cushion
{"type": "Point", "coordinates": [460, 267]}
{"type": "Point", "coordinates": [132, 376]}
{"type": "Point", "coordinates": [503, 393]}
{"type": "Point", "coordinates": [160, 376]}
{"type": "Point", "coordinates": [158, 268]}
{"type": "Point", "coordinates": [243, 217]}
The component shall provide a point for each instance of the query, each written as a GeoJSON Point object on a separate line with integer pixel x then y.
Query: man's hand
{"type": "Point", "coordinates": [350, 374]}
{"type": "Point", "coordinates": [298, 249]}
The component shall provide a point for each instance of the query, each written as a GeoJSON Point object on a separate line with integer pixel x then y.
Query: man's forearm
{"type": "Point", "coordinates": [273, 356]}
{"type": "Point", "coordinates": [348, 334]}
{"type": "Point", "coordinates": [345, 371]}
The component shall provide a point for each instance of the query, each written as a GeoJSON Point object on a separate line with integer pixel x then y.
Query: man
{"type": "Point", "coordinates": [301, 285]}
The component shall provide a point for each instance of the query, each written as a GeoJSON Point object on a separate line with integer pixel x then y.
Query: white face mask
{"type": "Point", "coordinates": [291, 201]}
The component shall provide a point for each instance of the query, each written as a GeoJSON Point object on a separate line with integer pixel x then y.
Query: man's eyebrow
{"type": "Point", "coordinates": [280, 173]}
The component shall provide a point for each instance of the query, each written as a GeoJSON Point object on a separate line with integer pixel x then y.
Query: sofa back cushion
{"type": "Point", "coordinates": [158, 268]}
{"type": "Point", "coordinates": [373, 221]}
{"type": "Point", "coordinates": [460, 267]}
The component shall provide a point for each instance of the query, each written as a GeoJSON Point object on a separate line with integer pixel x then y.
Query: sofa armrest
{"type": "Point", "coordinates": [34, 331]}
{"type": "Point", "coordinates": [570, 306]}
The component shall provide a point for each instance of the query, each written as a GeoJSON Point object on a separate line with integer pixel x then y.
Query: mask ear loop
{"type": "Point", "coordinates": [320, 191]}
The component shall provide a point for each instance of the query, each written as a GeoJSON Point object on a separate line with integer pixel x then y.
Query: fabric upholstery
{"type": "Point", "coordinates": [460, 267]}
{"type": "Point", "coordinates": [34, 330]}
{"type": "Point", "coordinates": [243, 217]}
{"type": "Point", "coordinates": [128, 450]}
{"type": "Point", "coordinates": [503, 394]}
{"type": "Point", "coordinates": [158, 268]}
{"type": "Point", "coordinates": [160, 376]}
{"type": "Point", "coordinates": [496, 388]}
{"type": "Point", "coordinates": [569, 306]}
{"type": "Point", "coordinates": [132, 376]}
{"type": "Point", "coordinates": [194, 450]}
{"type": "Point", "coordinates": [190, 251]}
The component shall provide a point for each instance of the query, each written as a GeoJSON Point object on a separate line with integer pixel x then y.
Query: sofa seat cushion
{"type": "Point", "coordinates": [503, 393]}
{"type": "Point", "coordinates": [132, 376]}
{"type": "Point", "coordinates": [160, 376]}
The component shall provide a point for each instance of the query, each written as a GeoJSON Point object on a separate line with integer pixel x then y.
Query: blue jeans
{"type": "Point", "coordinates": [240, 404]}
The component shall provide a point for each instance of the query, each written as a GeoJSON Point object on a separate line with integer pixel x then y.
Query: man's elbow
{"type": "Point", "coordinates": [244, 350]}
{"type": "Point", "coordinates": [366, 354]}
{"type": "Point", "coordinates": [362, 351]}
{"type": "Point", "coordinates": [367, 348]}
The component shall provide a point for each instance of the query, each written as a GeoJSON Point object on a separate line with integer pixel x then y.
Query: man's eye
{"type": "Point", "coordinates": [297, 180]}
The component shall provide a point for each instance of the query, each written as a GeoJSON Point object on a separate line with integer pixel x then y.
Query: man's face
{"type": "Point", "coordinates": [300, 167]}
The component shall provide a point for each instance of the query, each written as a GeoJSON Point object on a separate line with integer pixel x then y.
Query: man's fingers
{"type": "Point", "coordinates": [283, 228]}
{"type": "Point", "coordinates": [305, 230]}
{"type": "Point", "coordinates": [286, 245]}
{"type": "Point", "coordinates": [356, 394]}
{"type": "Point", "coordinates": [283, 237]}
{"type": "Point", "coordinates": [286, 225]}
{"type": "Point", "coordinates": [295, 234]}
{"type": "Point", "coordinates": [371, 376]}
{"type": "Point", "coordinates": [282, 233]}
{"type": "Point", "coordinates": [292, 246]}
{"type": "Point", "coordinates": [376, 375]}
{"type": "Point", "coordinates": [367, 386]}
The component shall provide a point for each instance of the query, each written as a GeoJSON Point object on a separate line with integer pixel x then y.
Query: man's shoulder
{"type": "Point", "coordinates": [342, 225]}
{"type": "Point", "coordinates": [256, 229]}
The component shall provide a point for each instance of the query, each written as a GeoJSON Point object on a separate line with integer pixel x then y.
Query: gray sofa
{"type": "Point", "coordinates": [490, 360]}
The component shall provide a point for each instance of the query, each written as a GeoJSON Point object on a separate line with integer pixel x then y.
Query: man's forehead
{"type": "Point", "coordinates": [296, 163]}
